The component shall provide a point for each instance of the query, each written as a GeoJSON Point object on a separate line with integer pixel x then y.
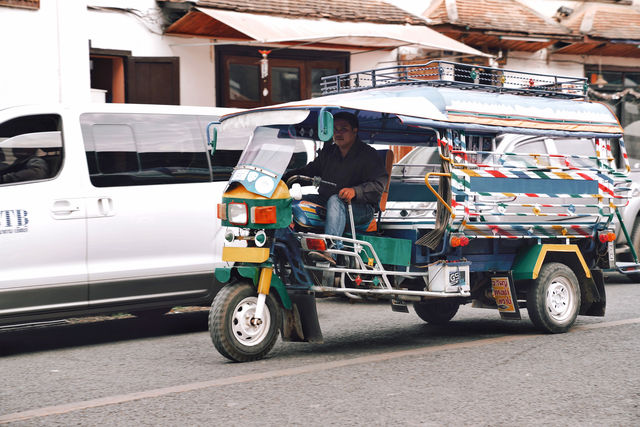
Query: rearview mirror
{"type": "Point", "coordinates": [325, 125]}
{"type": "Point", "coordinates": [212, 136]}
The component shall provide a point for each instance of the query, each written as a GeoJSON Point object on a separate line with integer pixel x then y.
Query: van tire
{"type": "Point", "coordinates": [436, 312]}
{"type": "Point", "coordinates": [553, 299]}
{"type": "Point", "coordinates": [232, 334]}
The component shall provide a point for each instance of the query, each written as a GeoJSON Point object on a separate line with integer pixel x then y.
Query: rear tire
{"type": "Point", "coordinates": [436, 312]}
{"type": "Point", "coordinates": [553, 299]}
{"type": "Point", "coordinates": [230, 326]}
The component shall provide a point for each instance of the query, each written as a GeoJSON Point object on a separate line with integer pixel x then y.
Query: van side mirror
{"type": "Point", "coordinates": [325, 125]}
{"type": "Point", "coordinates": [212, 136]}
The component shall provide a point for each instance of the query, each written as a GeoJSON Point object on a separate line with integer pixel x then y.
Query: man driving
{"type": "Point", "coordinates": [357, 171]}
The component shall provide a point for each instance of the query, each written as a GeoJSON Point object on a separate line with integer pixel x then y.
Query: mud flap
{"type": "Point", "coordinates": [301, 324]}
{"type": "Point", "coordinates": [594, 299]}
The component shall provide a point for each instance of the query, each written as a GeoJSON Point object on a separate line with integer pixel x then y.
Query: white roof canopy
{"type": "Point", "coordinates": [269, 29]}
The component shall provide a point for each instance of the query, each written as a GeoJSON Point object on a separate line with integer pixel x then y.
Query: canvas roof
{"type": "Point", "coordinates": [348, 25]}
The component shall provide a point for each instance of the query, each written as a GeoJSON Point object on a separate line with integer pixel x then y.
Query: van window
{"type": "Point", "coordinates": [30, 148]}
{"type": "Point", "coordinates": [145, 149]}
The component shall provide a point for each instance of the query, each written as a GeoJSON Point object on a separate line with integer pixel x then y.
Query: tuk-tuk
{"type": "Point", "coordinates": [497, 230]}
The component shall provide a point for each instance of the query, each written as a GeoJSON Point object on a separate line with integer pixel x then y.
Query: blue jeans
{"type": "Point", "coordinates": [338, 215]}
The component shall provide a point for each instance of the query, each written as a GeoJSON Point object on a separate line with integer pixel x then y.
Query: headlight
{"type": "Point", "coordinates": [237, 213]}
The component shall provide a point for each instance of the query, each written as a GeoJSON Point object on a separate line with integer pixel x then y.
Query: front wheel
{"type": "Point", "coordinates": [231, 328]}
{"type": "Point", "coordinates": [553, 299]}
{"type": "Point", "coordinates": [436, 312]}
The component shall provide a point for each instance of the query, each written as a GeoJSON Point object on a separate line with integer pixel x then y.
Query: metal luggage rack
{"type": "Point", "coordinates": [463, 76]}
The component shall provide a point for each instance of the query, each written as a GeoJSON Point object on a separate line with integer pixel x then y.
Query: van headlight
{"type": "Point", "coordinates": [237, 213]}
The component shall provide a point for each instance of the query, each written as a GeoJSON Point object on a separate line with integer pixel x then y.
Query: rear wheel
{"type": "Point", "coordinates": [436, 312]}
{"type": "Point", "coordinates": [232, 330]}
{"type": "Point", "coordinates": [553, 299]}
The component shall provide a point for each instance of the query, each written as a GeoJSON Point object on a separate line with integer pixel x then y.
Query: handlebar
{"type": "Point", "coordinates": [316, 181]}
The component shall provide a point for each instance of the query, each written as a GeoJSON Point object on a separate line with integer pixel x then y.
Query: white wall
{"type": "Point", "coordinates": [121, 30]}
{"type": "Point", "coordinates": [369, 60]}
{"type": "Point", "coordinates": [45, 53]}
{"type": "Point", "coordinates": [197, 72]}
{"type": "Point", "coordinates": [541, 62]}
{"type": "Point", "coordinates": [45, 56]}
{"type": "Point", "coordinates": [141, 33]}
{"type": "Point", "coordinates": [565, 65]}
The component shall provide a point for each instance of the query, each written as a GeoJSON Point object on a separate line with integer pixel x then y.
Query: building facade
{"type": "Point", "coordinates": [208, 53]}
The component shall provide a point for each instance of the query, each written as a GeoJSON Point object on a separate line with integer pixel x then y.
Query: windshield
{"type": "Point", "coordinates": [268, 150]}
{"type": "Point", "coordinates": [273, 141]}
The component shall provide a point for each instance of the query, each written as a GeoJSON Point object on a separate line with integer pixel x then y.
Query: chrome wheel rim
{"type": "Point", "coordinates": [244, 331]}
{"type": "Point", "coordinates": [560, 299]}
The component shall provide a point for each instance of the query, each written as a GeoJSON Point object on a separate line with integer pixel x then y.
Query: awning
{"type": "Point", "coordinates": [267, 29]}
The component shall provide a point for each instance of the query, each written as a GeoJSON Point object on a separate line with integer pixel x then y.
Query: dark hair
{"type": "Point", "coordinates": [348, 117]}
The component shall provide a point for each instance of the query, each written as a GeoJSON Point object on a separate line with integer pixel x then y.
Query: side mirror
{"type": "Point", "coordinates": [212, 136]}
{"type": "Point", "coordinates": [325, 125]}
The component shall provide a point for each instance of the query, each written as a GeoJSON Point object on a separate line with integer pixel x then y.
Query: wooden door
{"type": "Point", "coordinates": [153, 80]}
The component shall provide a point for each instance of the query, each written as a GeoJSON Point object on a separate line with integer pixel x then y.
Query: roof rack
{"type": "Point", "coordinates": [462, 76]}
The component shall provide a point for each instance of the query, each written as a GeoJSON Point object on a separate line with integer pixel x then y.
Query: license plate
{"type": "Point", "coordinates": [612, 254]}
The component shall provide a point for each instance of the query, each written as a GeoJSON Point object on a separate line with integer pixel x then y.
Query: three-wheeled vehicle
{"type": "Point", "coordinates": [495, 229]}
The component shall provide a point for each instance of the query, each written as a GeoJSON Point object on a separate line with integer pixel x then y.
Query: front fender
{"type": "Point", "coordinates": [226, 274]}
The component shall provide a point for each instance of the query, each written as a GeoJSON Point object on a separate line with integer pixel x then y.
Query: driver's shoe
{"type": "Point", "coordinates": [322, 257]}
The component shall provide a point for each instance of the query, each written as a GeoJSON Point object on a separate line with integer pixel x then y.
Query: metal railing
{"type": "Point", "coordinates": [463, 76]}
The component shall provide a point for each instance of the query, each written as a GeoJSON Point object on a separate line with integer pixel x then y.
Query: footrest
{"type": "Point", "coordinates": [628, 267]}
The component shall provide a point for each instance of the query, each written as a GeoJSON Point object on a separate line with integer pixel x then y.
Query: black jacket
{"type": "Point", "coordinates": [362, 169]}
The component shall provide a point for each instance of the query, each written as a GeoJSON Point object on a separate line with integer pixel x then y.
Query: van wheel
{"type": "Point", "coordinates": [553, 299]}
{"type": "Point", "coordinates": [436, 312]}
{"type": "Point", "coordinates": [635, 241]}
{"type": "Point", "coordinates": [230, 327]}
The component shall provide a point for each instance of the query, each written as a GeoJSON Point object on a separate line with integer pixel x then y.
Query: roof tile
{"type": "Point", "coordinates": [608, 21]}
{"type": "Point", "coordinates": [342, 10]}
{"type": "Point", "coordinates": [497, 15]}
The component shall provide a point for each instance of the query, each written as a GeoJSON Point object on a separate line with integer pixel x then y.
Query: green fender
{"type": "Point", "coordinates": [253, 273]}
{"type": "Point", "coordinates": [528, 262]}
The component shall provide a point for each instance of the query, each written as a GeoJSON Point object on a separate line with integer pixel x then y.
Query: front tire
{"type": "Point", "coordinates": [553, 299]}
{"type": "Point", "coordinates": [230, 327]}
{"type": "Point", "coordinates": [436, 312]}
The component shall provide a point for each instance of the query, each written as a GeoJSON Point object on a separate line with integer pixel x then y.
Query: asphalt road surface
{"type": "Point", "coordinates": [376, 367]}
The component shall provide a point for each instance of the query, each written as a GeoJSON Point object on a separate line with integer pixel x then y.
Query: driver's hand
{"type": "Point", "coordinates": [347, 194]}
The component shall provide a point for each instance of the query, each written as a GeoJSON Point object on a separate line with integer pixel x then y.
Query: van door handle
{"type": "Point", "coordinates": [62, 207]}
{"type": "Point", "coordinates": [105, 205]}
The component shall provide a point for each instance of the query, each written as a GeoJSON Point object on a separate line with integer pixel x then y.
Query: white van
{"type": "Point", "coordinates": [108, 207]}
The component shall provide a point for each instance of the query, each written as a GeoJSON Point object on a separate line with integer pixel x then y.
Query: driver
{"type": "Point", "coordinates": [357, 171]}
{"type": "Point", "coordinates": [27, 167]}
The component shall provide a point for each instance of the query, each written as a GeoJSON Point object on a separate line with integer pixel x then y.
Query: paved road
{"type": "Point", "coordinates": [376, 367]}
